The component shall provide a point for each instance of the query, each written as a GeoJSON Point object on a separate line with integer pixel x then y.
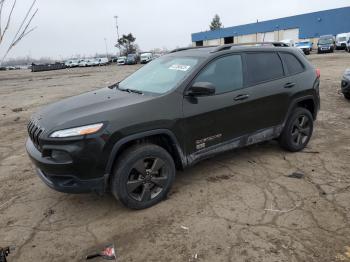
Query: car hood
{"type": "Point", "coordinates": [87, 108]}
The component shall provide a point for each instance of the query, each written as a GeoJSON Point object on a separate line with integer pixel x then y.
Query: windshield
{"type": "Point", "coordinates": [325, 41]}
{"type": "Point", "coordinates": [303, 43]}
{"type": "Point", "coordinates": [341, 39]}
{"type": "Point", "coordinates": [161, 75]}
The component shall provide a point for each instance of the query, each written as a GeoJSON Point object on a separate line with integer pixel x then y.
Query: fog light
{"type": "Point", "coordinates": [60, 156]}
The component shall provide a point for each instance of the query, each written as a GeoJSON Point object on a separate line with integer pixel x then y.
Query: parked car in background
{"type": "Point", "coordinates": [305, 46]}
{"type": "Point", "coordinates": [84, 63]}
{"type": "Point", "coordinates": [288, 42]}
{"type": "Point", "coordinates": [146, 57]}
{"type": "Point", "coordinates": [121, 60]}
{"type": "Point", "coordinates": [103, 61]}
{"type": "Point", "coordinates": [345, 84]}
{"type": "Point", "coordinates": [131, 59]}
{"type": "Point", "coordinates": [342, 40]}
{"type": "Point", "coordinates": [326, 44]}
{"type": "Point", "coordinates": [92, 62]}
{"type": "Point", "coordinates": [72, 63]}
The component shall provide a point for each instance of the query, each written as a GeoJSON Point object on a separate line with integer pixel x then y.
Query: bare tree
{"type": "Point", "coordinates": [22, 31]}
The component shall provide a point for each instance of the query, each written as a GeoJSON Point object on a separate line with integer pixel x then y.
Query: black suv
{"type": "Point", "coordinates": [183, 107]}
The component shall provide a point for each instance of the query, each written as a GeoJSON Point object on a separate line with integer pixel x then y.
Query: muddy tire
{"type": "Point", "coordinates": [143, 176]}
{"type": "Point", "coordinates": [297, 131]}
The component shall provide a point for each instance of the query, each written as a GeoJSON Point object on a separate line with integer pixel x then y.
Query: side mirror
{"type": "Point", "coordinates": [201, 89]}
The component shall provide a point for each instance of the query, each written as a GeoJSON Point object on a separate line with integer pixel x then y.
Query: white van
{"type": "Point", "coordinates": [103, 61]}
{"type": "Point", "coordinates": [146, 57]}
{"type": "Point", "coordinates": [342, 40]}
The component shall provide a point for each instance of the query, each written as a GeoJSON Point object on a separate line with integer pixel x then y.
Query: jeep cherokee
{"type": "Point", "coordinates": [183, 107]}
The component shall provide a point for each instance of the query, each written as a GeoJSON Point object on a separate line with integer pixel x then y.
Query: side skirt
{"type": "Point", "coordinates": [246, 140]}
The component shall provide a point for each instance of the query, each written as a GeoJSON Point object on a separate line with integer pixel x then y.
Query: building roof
{"type": "Point", "coordinates": [311, 25]}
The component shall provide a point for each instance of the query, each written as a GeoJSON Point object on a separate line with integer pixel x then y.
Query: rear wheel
{"type": "Point", "coordinates": [143, 176]}
{"type": "Point", "coordinates": [297, 131]}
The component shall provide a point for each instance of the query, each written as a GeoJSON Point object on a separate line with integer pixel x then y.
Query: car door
{"type": "Point", "coordinates": [268, 90]}
{"type": "Point", "coordinates": [209, 119]}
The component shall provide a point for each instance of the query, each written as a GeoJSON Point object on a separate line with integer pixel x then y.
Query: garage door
{"type": "Point", "coordinates": [266, 37]}
{"type": "Point", "coordinates": [292, 34]}
{"type": "Point", "coordinates": [247, 38]}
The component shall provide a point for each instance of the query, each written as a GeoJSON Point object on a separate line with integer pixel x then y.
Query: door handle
{"type": "Point", "coordinates": [289, 85]}
{"type": "Point", "coordinates": [241, 97]}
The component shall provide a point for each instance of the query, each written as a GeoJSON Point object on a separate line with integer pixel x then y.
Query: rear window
{"type": "Point", "coordinates": [293, 65]}
{"type": "Point", "coordinates": [263, 67]}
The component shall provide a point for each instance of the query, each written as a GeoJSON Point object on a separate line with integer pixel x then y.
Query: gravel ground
{"type": "Point", "coordinates": [239, 206]}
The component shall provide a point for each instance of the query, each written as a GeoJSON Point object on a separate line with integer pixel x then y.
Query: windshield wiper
{"type": "Point", "coordinates": [130, 90]}
{"type": "Point", "coordinates": [116, 85]}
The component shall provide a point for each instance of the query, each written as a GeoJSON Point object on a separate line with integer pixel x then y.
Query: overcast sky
{"type": "Point", "coordinates": [69, 27]}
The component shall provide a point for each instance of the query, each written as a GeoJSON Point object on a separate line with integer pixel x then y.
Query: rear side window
{"type": "Point", "coordinates": [263, 67]}
{"type": "Point", "coordinates": [224, 73]}
{"type": "Point", "coordinates": [293, 65]}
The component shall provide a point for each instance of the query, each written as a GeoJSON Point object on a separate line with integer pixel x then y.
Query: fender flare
{"type": "Point", "coordinates": [296, 101]}
{"type": "Point", "coordinates": [117, 146]}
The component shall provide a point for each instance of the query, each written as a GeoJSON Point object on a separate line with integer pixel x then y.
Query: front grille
{"type": "Point", "coordinates": [34, 132]}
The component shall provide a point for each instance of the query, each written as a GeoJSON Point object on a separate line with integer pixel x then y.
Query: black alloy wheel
{"type": "Point", "coordinates": [143, 176]}
{"type": "Point", "coordinates": [147, 179]}
{"type": "Point", "coordinates": [301, 130]}
{"type": "Point", "coordinates": [297, 131]}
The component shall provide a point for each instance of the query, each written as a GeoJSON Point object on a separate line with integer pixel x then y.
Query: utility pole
{"type": "Point", "coordinates": [106, 47]}
{"type": "Point", "coordinates": [116, 23]}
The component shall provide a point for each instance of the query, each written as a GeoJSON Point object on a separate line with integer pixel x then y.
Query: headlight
{"type": "Point", "coordinates": [78, 131]}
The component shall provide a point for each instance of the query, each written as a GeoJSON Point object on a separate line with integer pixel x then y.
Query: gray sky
{"type": "Point", "coordinates": [69, 27]}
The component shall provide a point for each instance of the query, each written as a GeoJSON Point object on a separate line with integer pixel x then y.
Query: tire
{"type": "Point", "coordinates": [347, 96]}
{"type": "Point", "coordinates": [135, 184]}
{"type": "Point", "coordinates": [297, 131]}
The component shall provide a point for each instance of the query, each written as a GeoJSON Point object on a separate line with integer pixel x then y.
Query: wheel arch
{"type": "Point", "coordinates": [162, 137]}
{"type": "Point", "coordinates": [307, 102]}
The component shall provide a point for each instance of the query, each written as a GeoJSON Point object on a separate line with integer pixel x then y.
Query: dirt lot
{"type": "Point", "coordinates": [238, 207]}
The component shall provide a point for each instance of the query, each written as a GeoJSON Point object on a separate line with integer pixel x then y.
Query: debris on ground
{"type": "Point", "coordinates": [17, 118]}
{"type": "Point", "coordinates": [49, 212]}
{"type": "Point", "coordinates": [281, 211]}
{"type": "Point", "coordinates": [296, 175]}
{"type": "Point", "coordinates": [108, 253]}
{"type": "Point", "coordinates": [4, 252]}
{"type": "Point", "coordinates": [185, 228]}
{"type": "Point", "coordinates": [18, 109]}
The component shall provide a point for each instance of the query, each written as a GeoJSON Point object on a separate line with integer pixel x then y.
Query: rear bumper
{"type": "Point", "coordinates": [63, 176]}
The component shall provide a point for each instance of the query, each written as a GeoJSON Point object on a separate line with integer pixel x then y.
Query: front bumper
{"type": "Point", "coordinates": [67, 174]}
{"type": "Point", "coordinates": [325, 49]}
{"type": "Point", "coordinates": [345, 86]}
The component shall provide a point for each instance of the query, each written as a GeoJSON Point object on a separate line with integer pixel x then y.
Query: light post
{"type": "Point", "coordinates": [106, 47]}
{"type": "Point", "coordinates": [116, 23]}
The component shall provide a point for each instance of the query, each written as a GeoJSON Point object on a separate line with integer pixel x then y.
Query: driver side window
{"type": "Point", "coordinates": [225, 73]}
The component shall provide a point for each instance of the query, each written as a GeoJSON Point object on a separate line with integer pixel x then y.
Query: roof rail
{"type": "Point", "coordinates": [190, 47]}
{"type": "Point", "coordinates": [229, 46]}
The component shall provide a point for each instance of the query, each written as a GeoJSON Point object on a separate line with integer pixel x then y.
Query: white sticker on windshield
{"type": "Point", "coordinates": [180, 67]}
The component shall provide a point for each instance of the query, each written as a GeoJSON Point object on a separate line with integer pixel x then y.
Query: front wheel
{"type": "Point", "coordinates": [297, 131]}
{"type": "Point", "coordinates": [143, 176]}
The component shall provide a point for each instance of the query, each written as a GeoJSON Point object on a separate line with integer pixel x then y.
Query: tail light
{"type": "Point", "coordinates": [318, 73]}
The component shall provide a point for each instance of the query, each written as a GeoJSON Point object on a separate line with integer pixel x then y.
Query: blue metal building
{"type": "Point", "coordinates": [311, 25]}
